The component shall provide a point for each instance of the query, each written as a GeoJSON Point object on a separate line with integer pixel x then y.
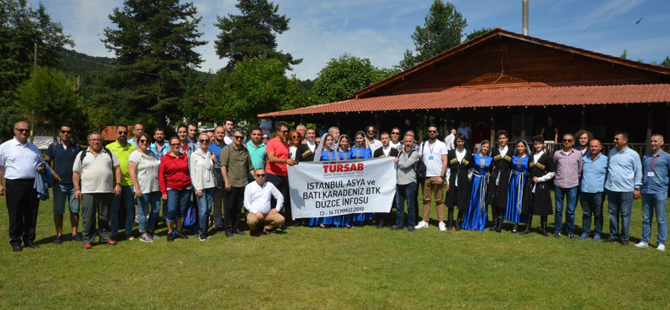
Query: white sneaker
{"type": "Point", "coordinates": [422, 224]}
{"type": "Point", "coordinates": [442, 226]}
{"type": "Point", "coordinates": [661, 247]}
{"type": "Point", "coordinates": [642, 245]}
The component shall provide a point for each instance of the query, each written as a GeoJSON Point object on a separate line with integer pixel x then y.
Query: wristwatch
{"type": "Point", "coordinates": [119, 184]}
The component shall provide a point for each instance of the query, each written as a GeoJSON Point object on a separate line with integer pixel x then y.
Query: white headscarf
{"type": "Point", "coordinates": [319, 149]}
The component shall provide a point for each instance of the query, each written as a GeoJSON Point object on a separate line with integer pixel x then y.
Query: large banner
{"type": "Point", "coordinates": [321, 189]}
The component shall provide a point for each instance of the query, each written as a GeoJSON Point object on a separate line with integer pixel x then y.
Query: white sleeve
{"type": "Point", "coordinates": [546, 177]}
{"type": "Point", "coordinates": [77, 162]}
{"type": "Point", "coordinates": [247, 201]}
{"type": "Point", "coordinates": [446, 179]}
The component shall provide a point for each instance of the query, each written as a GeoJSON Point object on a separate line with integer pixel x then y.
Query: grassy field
{"type": "Point", "coordinates": [362, 268]}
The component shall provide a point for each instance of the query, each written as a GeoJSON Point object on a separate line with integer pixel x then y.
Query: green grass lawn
{"type": "Point", "coordinates": [308, 268]}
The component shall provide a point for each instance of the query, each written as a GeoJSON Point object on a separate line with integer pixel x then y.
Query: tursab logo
{"type": "Point", "coordinates": [332, 168]}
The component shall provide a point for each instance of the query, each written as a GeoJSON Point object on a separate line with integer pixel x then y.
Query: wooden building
{"type": "Point", "coordinates": [505, 80]}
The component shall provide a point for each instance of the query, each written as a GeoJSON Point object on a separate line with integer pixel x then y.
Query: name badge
{"type": "Point", "coordinates": [650, 174]}
{"type": "Point", "coordinates": [430, 157]}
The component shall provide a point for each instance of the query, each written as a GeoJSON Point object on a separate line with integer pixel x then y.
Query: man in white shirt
{"type": "Point", "coordinates": [228, 126]}
{"type": "Point", "coordinates": [257, 202]}
{"type": "Point", "coordinates": [19, 161]}
{"type": "Point", "coordinates": [373, 143]}
{"type": "Point", "coordinates": [434, 155]}
{"type": "Point", "coordinates": [450, 140]}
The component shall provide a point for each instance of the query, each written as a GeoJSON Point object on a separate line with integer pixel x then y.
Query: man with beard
{"type": "Point", "coordinates": [434, 156]}
{"type": "Point", "coordinates": [122, 149]}
{"type": "Point", "coordinates": [373, 143]}
{"type": "Point", "coordinates": [228, 127]}
{"type": "Point", "coordinates": [306, 150]}
{"type": "Point", "coordinates": [277, 164]}
{"type": "Point", "coordinates": [499, 181]}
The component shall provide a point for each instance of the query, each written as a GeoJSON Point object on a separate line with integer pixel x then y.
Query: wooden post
{"type": "Point", "coordinates": [582, 124]}
{"type": "Point", "coordinates": [419, 127]}
{"type": "Point", "coordinates": [650, 116]}
{"type": "Point", "coordinates": [493, 130]}
{"type": "Point", "coordinates": [523, 124]}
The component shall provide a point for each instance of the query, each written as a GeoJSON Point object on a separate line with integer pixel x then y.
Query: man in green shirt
{"type": "Point", "coordinates": [235, 164]}
{"type": "Point", "coordinates": [257, 152]}
{"type": "Point", "coordinates": [122, 149]}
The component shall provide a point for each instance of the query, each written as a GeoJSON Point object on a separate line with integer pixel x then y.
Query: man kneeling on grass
{"type": "Point", "coordinates": [257, 202]}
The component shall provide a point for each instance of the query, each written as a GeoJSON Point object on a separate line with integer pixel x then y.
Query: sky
{"type": "Point", "coordinates": [381, 29]}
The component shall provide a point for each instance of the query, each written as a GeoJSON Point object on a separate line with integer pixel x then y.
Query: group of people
{"type": "Point", "coordinates": [215, 171]}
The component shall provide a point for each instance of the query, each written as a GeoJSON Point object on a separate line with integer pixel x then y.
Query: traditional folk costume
{"type": "Point", "coordinates": [459, 162]}
{"type": "Point", "coordinates": [360, 153]}
{"type": "Point", "coordinates": [475, 218]}
{"type": "Point", "coordinates": [384, 219]}
{"type": "Point", "coordinates": [537, 197]}
{"type": "Point", "coordinates": [499, 183]}
{"type": "Point", "coordinates": [517, 184]}
{"type": "Point", "coordinates": [323, 155]}
{"type": "Point", "coordinates": [306, 151]}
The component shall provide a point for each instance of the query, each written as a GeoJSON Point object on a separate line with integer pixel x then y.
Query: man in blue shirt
{"type": "Point", "coordinates": [594, 173]}
{"type": "Point", "coordinates": [624, 178]}
{"type": "Point", "coordinates": [219, 192]}
{"type": "Point", "coordinates": [655, 171]}
{"type": "Point", "coordinates": [61, 156]}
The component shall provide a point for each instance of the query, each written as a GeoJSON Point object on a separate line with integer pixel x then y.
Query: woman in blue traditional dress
{"type": "Point", "coordinates": [517, 183]}
{"type": "Point", "coordinates": [324, 152]}
{"type": "Point", "coordinates": [361, 150]}
{"type": "Point", "coordinates": [475, 217]}
{"type": "Point", "coordinates": [343, 153]}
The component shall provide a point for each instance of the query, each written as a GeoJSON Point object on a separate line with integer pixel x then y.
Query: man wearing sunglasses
{"type": "Point", "coordinates": [395, 142]}
{"type": "Point", "coordinates": [278, 162]}
{"type": "Point", "coordinates": [257, 200]}
{"type": "Point", "coordinates": [122, 149]}
{"type": "Point", "coordinates": [235, 164]}
{"type": "Point", "coordinates": [434, 156]}
{"type": "Point", "coordinates": [19, 163]}
{"type": "Point", "coordinates": [61, 155]}
{"type": "Point", "coordinates": [370, 134]}
{"type": "Point", "coordinates": [568, 164]}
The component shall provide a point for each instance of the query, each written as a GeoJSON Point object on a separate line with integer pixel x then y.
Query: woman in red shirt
{"type": "Point", "coordinates": [175, 185]}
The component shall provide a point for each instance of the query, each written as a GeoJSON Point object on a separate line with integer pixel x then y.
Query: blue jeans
{"type": "Point", "coordinates": [571, 193]}
{"type": "Point", "coordinates": [151, 200]}
{"type": "Point", "coordinates": [406, 193]}
{"type": "Point", "coordinates": [128, 196]}
{"type": "Point", "coordinates": [177, 201]}
{"type": "Point", "coordinates": [620, 205]}
{"type": "Point", "coordinates": [657, 203]}
{"type": "Point", "coordinates": [592, 205]}
{"type": "Point", "coordinates": [204, 208]}
{"type": "Point", "coordinates": [61, 193]}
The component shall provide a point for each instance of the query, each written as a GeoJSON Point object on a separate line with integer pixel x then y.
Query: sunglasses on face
{"type": "Point", "coordinates": [266, 138]}
{"type": "Point", "coordinates": [260, 175]}
{"type": "Point", "coordinates": [22, 130]}
{"type": "Point", "coordinates": [123, 133]}
{"type": "Point", "coordinates": [143, 141]}
{"type": "Point", "coordinates": [294, 137]}
{"type": "Point", "coordinates": [395, 133]}
{"type": "Point", "coordinates": [567, 140]}
{"type": "Point", "coordinates": [204, 141]}
{"type": "Point", "coordinates": [66, 131]}
{"type": "Point", "coordinates": [432, 131]}
{"type": "Point", "coordinates": [175, 144]}
{"type": "Point", "coordinates": [238, 137]}
{"type": "Point", "coordinates": [371, 131]}
{"type": "Point", "coordinates": [284, 131]}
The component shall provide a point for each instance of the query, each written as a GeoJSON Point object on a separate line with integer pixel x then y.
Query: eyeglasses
{"type": "Point", "coordinates": [238, 137]}
{"type": "Point", "coordinates": [143, 141]}
{"type": "Point", "coordinates": [66, 131]}
{"type": "Point", "coordinates": [284, 131]}
{"type": "Point", "coordinates": [204, 141]}
{"type": "Point", "coordinates": [432, 131]}
{"type": "Point", "coordinates": [260, 175]}
{"type": "Point", "coordinates": [294, 137]}
{"type": "Point", "coordinates": [22, 130]}
{"type": "Point", "coordinates": [371, 131]}
{"type": "Point", "coordinates": [175, 144]}
{"type": "Point", "coordinates": [395, 133]}
{"type": "Point", "coordinates": [567, 140]}
{"type": "Point", "coordinates": [266, 138]}
{"type": "Point", "coordinates": [122, 132]}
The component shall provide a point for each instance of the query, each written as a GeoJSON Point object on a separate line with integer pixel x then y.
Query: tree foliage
{"type": "Point", "coordinates": [153, 42]}
{"type": "Point", "coordinates": [342, 77]}
{"type": "Point", "coordinates": [476, 33]}
{"type": "Point", "coordinates": [252, 34]}
{"type": "Point", "coordinates": [443, 29]}
{"type": "Point", "coordinates": [666, 62]}
{"type": "Point", "coordinates": [21, 27]}
{"type": "Point", "coordinates": [50, 97]}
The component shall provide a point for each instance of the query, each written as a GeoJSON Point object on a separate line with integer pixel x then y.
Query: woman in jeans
{"type": "Point", "coordinates": [143, 167]}
{"type": "Point", "coordinates": [175, 185]}
{"type": "Point", "coordinates": [202, 163]}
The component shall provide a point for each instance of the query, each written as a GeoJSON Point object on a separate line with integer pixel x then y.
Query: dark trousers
{"type": "Point", "coordinates": [90, 205]}
{"type": "Point", "coordinates": [22, 207]}
{"type": "Point", "coordinates": [592, 206]}
{"type": "Point", "coordinates": [281, 183]}
{"type": "Point", "coordinates": [233, 207]}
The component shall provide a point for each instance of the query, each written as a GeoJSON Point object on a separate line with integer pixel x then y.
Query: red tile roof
{"type": "Point", "coordinates": [499, 97]}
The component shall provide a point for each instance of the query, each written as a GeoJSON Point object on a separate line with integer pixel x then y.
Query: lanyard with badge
{"type": "Point", "coordinates": [431, 148]}
{"type": "Point", "coordinates": [651, 166]}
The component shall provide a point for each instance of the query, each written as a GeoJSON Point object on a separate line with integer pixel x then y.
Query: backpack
{"type": "Point", "coordinates": [104, 149]}
{"type": "Point", "coordinates": [421, 167]}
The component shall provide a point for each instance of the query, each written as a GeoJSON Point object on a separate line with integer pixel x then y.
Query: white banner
{"type": "Point", "coordinates": [321, 189]}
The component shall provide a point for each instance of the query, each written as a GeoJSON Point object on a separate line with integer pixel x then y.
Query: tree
{"type": "Point", "coordinates": [342, 77]}
{"type": "Point", "coordinates": [153, 43]}
{"type": "Point", "coordinates": [443, 29]}
{"type": "Point", "coordinates": [20, 29]}
{"type": "Point", "coordinates": [624, 55]}
{"type": "Point", "coordinates": [252, 34]}
{"type": "Point", "coordinates": [50, 97]}
{"type": "Point", "coordinates": [666, 62]}
{"type": "Point", "coordinates": [476, 33]}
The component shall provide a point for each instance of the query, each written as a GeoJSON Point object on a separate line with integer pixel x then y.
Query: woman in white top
{"type": "Point", "coordinates": [294, 141]}
{"type": "Point", "coordinates": [143, 167]}
{"type": "Point", "coordinates": [201, 166]}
